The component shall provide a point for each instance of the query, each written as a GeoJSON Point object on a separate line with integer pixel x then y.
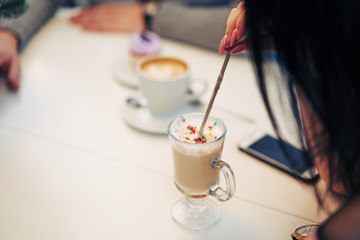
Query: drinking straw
{"type": "Point", "coordinates": [217, 85]}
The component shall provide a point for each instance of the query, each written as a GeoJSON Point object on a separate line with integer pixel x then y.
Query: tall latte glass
{"type": "Point", "coordinates": [197, 170]}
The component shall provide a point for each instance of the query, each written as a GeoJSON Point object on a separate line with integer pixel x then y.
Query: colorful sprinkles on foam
{"type": "Point", "coordinates": [188, 134]}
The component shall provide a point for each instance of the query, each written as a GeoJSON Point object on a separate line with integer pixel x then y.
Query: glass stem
{"type": "Point", "coordinates": [196, 205]}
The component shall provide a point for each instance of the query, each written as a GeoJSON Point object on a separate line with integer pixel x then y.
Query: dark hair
{"type": "Point", "coordinates": [318, 44]}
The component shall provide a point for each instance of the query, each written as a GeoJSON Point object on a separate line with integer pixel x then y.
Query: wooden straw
{"type": "Point", "coordinates": [217, 86]}
{"type": "Point", "coordinates": [216, 89]}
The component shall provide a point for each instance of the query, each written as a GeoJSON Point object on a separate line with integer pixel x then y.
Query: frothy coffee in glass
{"type": "Point", "coordinates": [193, 173]}
{"type": "Point", "coordinates": [164, 68]}
{"type": "Point", "coordinates": [193, 155]}
{"type": "Point", "coordinates": [197, 170]}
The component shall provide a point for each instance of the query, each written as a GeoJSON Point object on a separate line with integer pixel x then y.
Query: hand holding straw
{"type": "Point", "coordinates": [217, 86]}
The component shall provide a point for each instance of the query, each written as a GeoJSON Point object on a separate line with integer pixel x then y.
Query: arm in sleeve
{"type": "Point", "coordinates": [200, 26]}
{"type": "Point", "coordinates": [38, 12]}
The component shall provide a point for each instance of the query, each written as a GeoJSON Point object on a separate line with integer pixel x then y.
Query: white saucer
{"type": "Point", "coordinates": [124, 73]}
{"type": "Point", "coordinates": [141, 118]}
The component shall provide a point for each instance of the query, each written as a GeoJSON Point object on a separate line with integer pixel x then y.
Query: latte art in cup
{"type": "Point", "coordinates": [167, 84]}
{"type": "Point", "coordinates": [164, 68]}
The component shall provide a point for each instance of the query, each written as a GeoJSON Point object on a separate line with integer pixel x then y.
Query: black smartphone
{"type": "Point", "coordinates": [268, 149]}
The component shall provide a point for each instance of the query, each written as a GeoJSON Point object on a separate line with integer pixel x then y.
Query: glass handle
{"type": "Point", "coordinates": [217, 191]}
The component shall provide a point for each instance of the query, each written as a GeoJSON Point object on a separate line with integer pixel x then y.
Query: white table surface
{"type": "Point", "coordinates": [70, 168]}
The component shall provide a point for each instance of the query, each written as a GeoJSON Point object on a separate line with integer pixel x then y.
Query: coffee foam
{"type": "Point", "coordinates": [187, 129]}
{"type": "Point", "coordinates": [164, 68]}
{"type": "Point", "coordinates": [190, 134]}
{"type": "Point", "coordinates": [190, 143]}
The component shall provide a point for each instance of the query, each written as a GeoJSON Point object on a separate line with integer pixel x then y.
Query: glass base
{"type": "Point", "coordinates": [195, 214]}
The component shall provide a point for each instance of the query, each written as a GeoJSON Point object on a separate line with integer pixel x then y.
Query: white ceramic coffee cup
{"type": "Point", "coordinates": [166, 83]}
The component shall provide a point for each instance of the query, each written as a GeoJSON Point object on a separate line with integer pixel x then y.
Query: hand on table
{"type": "Point", "coordinates": [9, 59]}
{"type": "Point", "coordinates": [123, 17]}
{"type": "Point", "coordinates": [235, 30]}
